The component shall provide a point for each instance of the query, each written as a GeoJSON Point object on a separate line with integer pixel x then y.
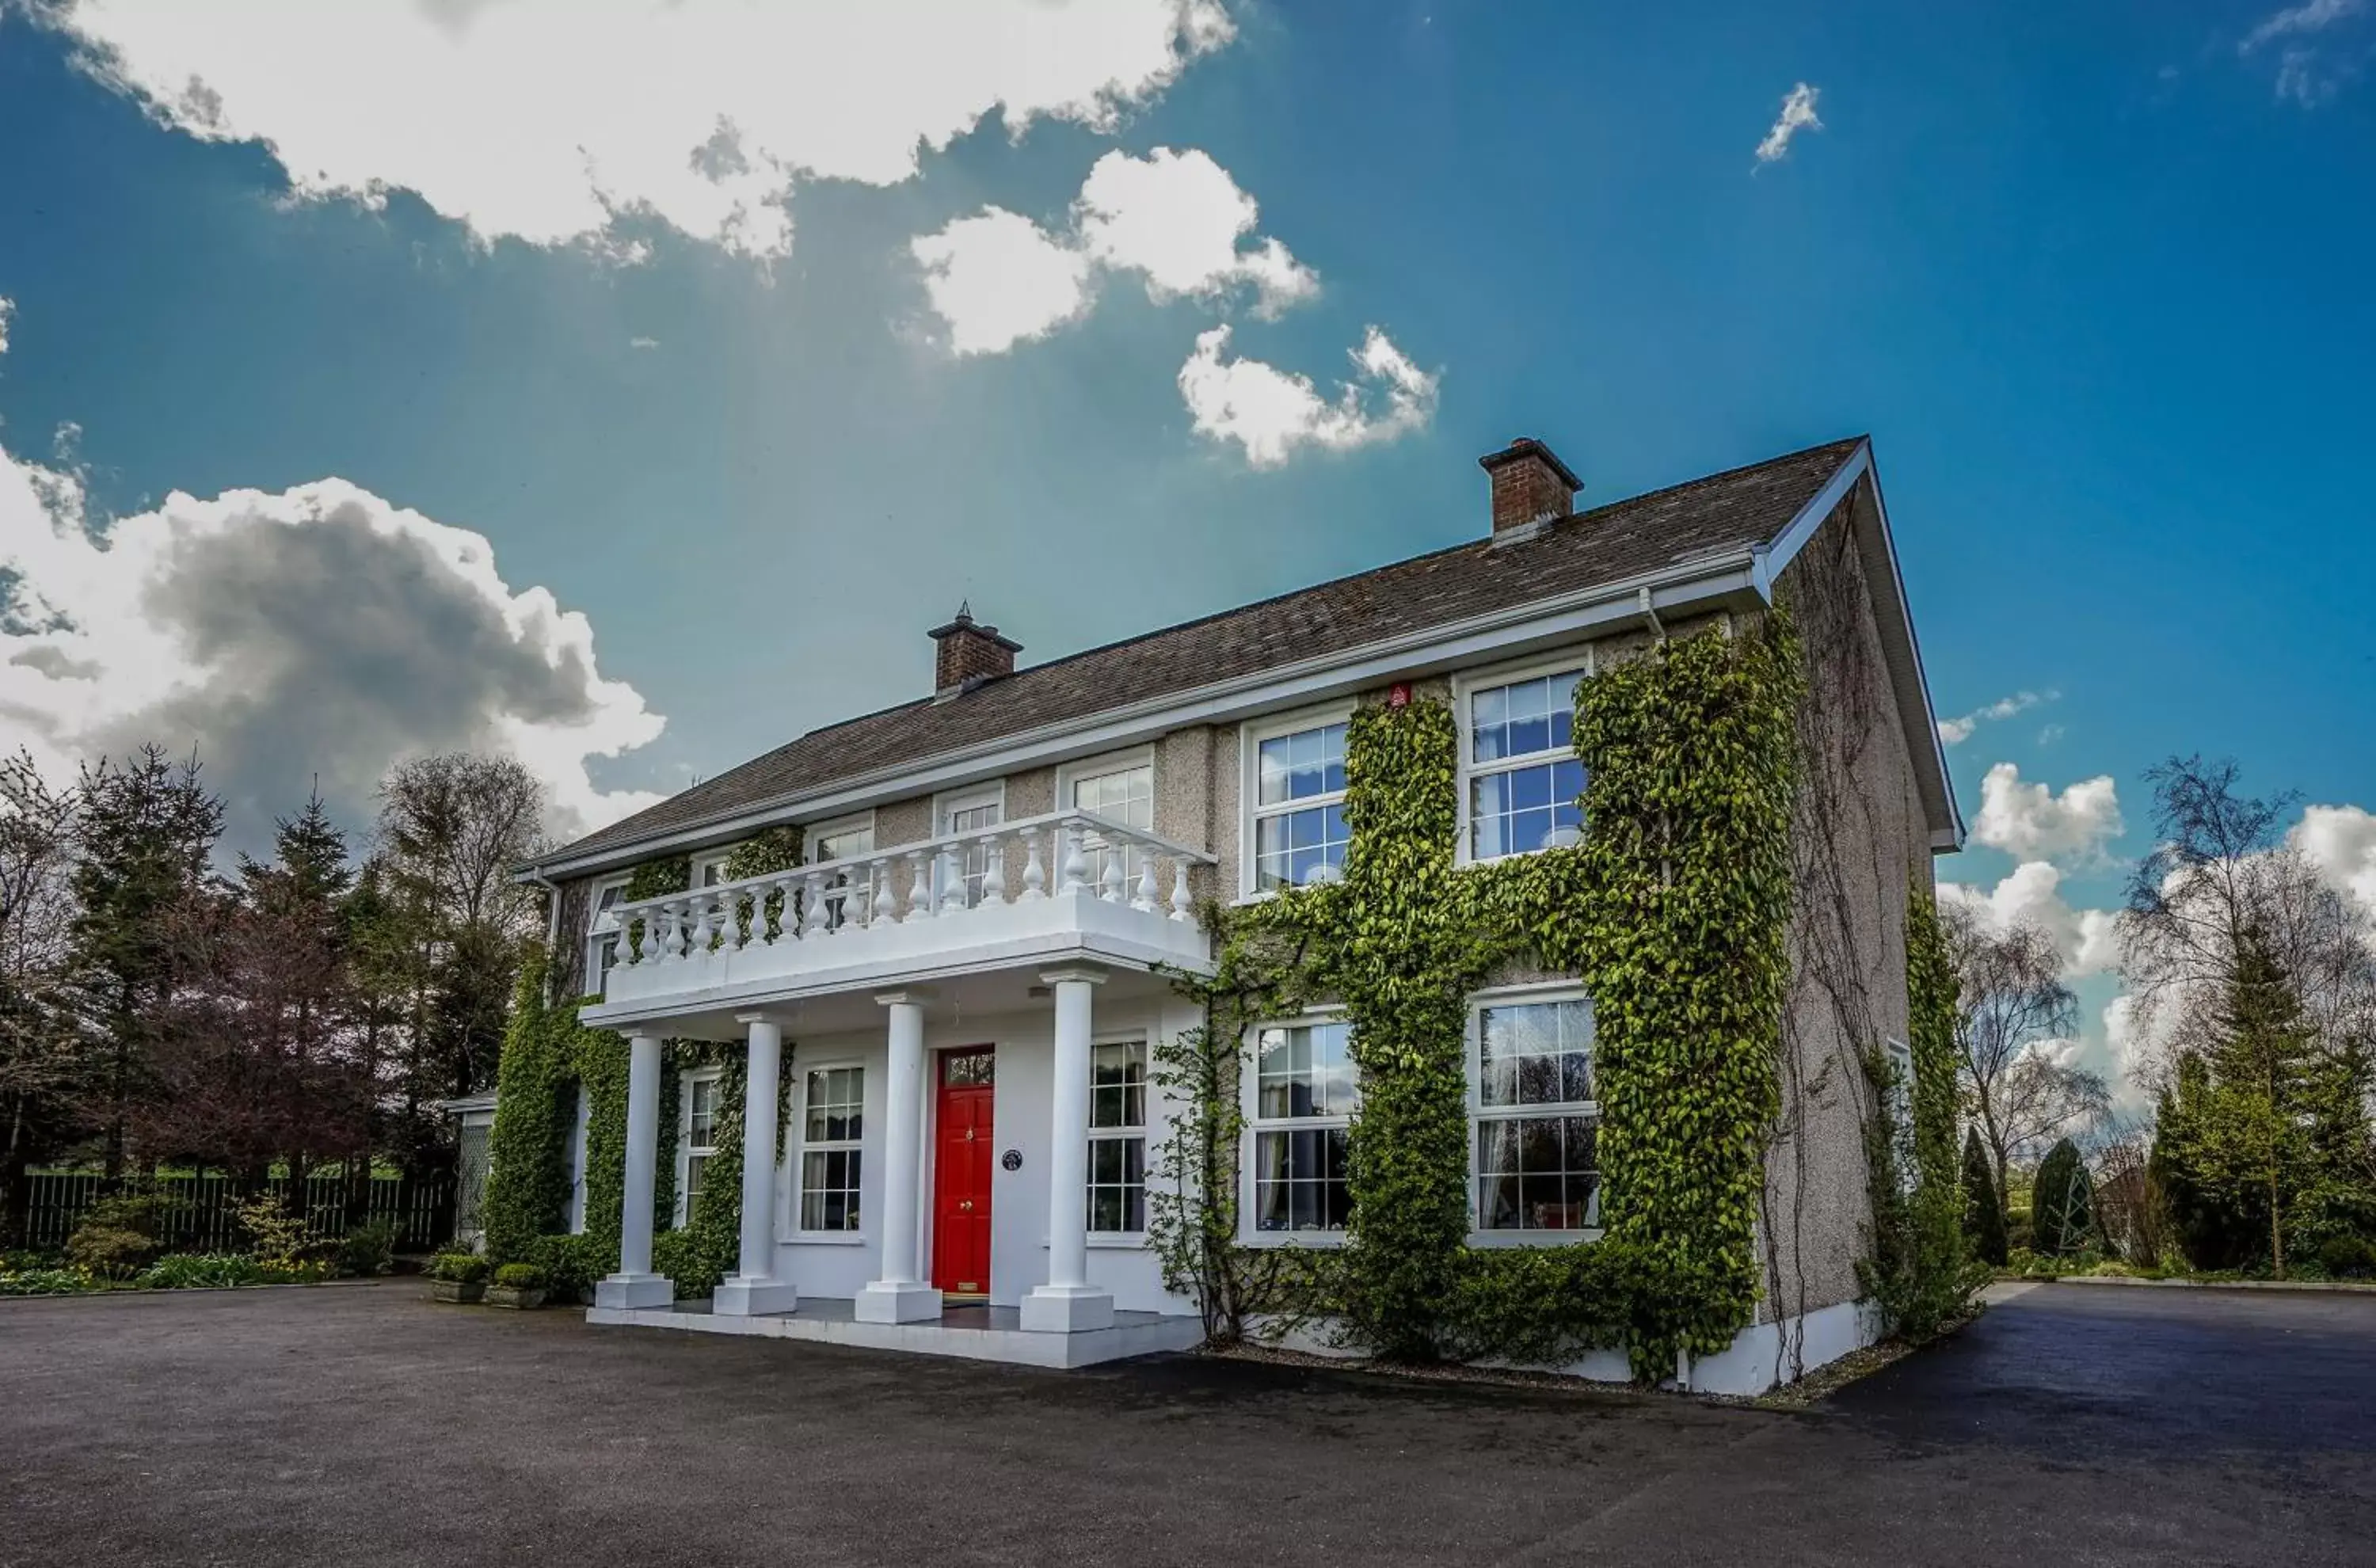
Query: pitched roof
{"type": "Point", "coordinates": [1607, 544]}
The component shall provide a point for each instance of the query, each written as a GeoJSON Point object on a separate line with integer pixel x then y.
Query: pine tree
{"type": "Point", "coordinates": [2267, 1086]}
{"type": "Point", "coordinates": [1984, 1220]}
{"type": "Point", "coordinates": [2061, 1216]}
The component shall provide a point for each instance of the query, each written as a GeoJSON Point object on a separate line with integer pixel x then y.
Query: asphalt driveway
{"type": "Point", "coordinates": [359, 1424]}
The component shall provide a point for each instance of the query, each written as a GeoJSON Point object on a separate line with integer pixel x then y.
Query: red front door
{"type": "Point", "coordinates": [961, 1173]}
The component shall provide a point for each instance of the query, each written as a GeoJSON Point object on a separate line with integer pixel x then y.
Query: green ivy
{"type": "Point", "coordinates": [1673, 910]}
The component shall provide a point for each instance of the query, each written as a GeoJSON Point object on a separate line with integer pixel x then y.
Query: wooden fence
{"type": "Point", "coordinates": [202, 1212]}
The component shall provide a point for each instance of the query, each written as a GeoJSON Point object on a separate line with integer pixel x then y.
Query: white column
{"type": "Point", "coordinates": [899, 1294]}
{"type": "Point", "coordinates": [754, 1288]}
{"type": "Point", "coordinates": [635, 1285]}
{"type": "Point", "coordinates": [1068, 1303]}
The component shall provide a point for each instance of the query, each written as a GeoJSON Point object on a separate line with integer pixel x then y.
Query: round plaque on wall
{"type": "Point", "coordinates": [1012, 1159]}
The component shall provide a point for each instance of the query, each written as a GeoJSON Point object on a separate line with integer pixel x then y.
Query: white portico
{"type": "Point", "coordinates": [970, 1115]}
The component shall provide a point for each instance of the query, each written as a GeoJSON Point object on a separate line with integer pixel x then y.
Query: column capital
{"type": "Point", "coordinates": [914, 995]}
{"type": "Point", "coordinates": [1088, 974]}
{"type": "Point", "coordinates": [749, 1018]}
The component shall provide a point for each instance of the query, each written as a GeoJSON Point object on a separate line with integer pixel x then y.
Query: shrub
{"type": "Point", "coordinates": [369, 1249]}
{"type": "Point", "coordinates": [117, 1235]}
{"type": "Point", "coordinates": [2347, 1257]}
{"type": "Point", "coordinates": [49, 1282]}
{"type": "Point", "coordinates": [274, 1236]}
{"type": "Point", "coordinates": [1984, 1223]}
{"type": "Point", "coordinates": [462, 1268]}
{"type": "Point", "coordinates": [571, 1264]}
{"type": "Point", "coordinates": [692, 1258]}
{"type": "Point", "coordinates": [520, 1276]}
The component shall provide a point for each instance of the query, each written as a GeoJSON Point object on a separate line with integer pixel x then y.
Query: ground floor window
{"type": "Point", "coordinates": [1117, 1192]}
{"type": "Point", "coordinates": [832, 1125]}
{"type": "Point", "coordinates": [1535, 1120]}
{"type": "Point", "coordinates": [1305, 1093]}
{"type": "Point", "coordinates": [697, 1135]}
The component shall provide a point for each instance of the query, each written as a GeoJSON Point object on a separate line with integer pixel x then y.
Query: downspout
{"type": "Point", "coordinates": [1650, 614]}
{"type": "Point", "coordinates": [551, 923]}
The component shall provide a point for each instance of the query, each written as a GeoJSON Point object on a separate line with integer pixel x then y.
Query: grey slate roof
{"type": "Point", "coordinates": [1607, 544]}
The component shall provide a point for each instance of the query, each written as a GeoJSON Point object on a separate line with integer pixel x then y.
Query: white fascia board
{"type": "Point", "coordinates": [1730, 576]}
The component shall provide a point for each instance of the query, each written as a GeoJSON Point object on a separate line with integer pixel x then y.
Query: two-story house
{"type": "Point", "coordinates": [962, 978]}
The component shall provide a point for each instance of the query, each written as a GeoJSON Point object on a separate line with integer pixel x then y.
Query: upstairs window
{"type": "Point", "coordinates": [1299, 807]}
{"type": "Point", "coordinates": [847, 839]}
{"type": "Point", "coordinates": [605, 939]}
{"type": "Point", "coordinates": [1523, 781]}
{"type": "Point", "coordinates": [1120, 789]}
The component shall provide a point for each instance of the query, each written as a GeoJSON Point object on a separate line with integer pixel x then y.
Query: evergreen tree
{"type": "Point", "coordinates": [2060, 1215]}
{"type": "Point", "coordinates": [148, 827]}
{"type": "Point", "coordinates": [1984, 1220]}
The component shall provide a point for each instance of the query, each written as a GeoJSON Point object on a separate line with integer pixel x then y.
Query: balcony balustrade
{"type": "Point", "coordinates": [1029, 889]}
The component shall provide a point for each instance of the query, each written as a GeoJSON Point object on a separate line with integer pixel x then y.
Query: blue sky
{"type": "Point", "coordinates": [2095, 278]}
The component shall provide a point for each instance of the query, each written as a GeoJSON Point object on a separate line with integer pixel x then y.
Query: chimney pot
{"type": "Point", "coordinates": [966, 653]}
{"type": "Point", "coordinates": [1530, 484]}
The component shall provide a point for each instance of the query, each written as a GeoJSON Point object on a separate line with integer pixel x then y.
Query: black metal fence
{"type": "Point", "coordinates": [202, 1212]}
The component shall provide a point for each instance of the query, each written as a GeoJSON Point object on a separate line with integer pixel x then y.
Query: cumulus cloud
{"type": "Point", "coordinates": [1798, 115]}
{"type": "Point", "coordinates": [2307, 72]}
{"type": "Point", "coordinates": [547, 119]}
{"type": "Point", "coordinates": [2295, 21]}
{"type": "Point", "coordinates": [8, 309]}
{"type": "Point", "coordinates": [1177, 220]}
{"type": "Point", "coordinates": [1956, 732]}
{"type": "Point", "coordinates": [2031, 821]}
{"type": "Point", "coordinates": [2032, 894]}
{"type": "Point", "coordinates": [1273, 413]}
{"type": "Point", "coordinates": [997, 280]}
{"type": "Point", "coordinates": [317, 631]}
{"type": "Point", "coordinates": [2341, 842]}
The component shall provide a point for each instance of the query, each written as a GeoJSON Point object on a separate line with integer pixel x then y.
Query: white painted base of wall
{"type": "Point", "coordinates": [834, 1322]}
{"type": "Point", "coordinates": [880, 1302]}
{"type": "Point", "coordinates": [628, 1291]}
{"type": "Point", "coordinates": [1754, 1362]}
{"type": "Point", "coordinates": [1067, 1309]}
{"type": "Point", "coordinates": [740, 1297]}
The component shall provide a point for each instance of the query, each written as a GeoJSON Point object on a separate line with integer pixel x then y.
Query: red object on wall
{"type": "Point", "coordinates": [1398, 694]}
{"type": "Point", "coordinates": [962, 1152]}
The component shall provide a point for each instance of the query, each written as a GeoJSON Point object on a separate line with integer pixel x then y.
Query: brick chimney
{"type": "Point", "coordinates": [968, 653]}
{"type": "Point", "coordinates": [1530, 485]}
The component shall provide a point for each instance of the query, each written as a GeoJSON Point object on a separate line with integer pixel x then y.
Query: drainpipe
{"type": "Point", "coordinates": [551, 924]}
{"type": "Point", "coordinates": [1650, 614]}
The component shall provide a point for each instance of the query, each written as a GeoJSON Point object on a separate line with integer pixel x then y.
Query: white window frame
{"type": "Point", "coordinates": [1250, 1102]}
{"type": "Point", "coordinates": [1130, 761]}
{"type": "Point", "coordinates": [707, 861]}
{"type": "Point", "coordinates": [798, 1147]}
{"type": "Point", "coordinates": [853, 822]}
{"type": "Point", "coordinates": [596, 935]}
{"type": "Point", "coordinates": [685, 1145]}
{"type": "Point", "coordinates": [1251, 736]}
{"type": "Point", "coordinates": [946, 806]}
{"type": "Point", "coordinates": [1118, 1133]}
{"type": "Point", "coordinates": [1480, 1112]}
{"type": "Point", "coordinates": [1465, 687]}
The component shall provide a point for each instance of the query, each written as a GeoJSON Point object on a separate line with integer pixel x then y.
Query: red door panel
{"type": "Point", "coordinates": [961, 1158]}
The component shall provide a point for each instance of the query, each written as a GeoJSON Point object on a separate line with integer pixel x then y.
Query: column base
{"type": "Point", "coordinates": [752, 1296]}
{"type": "Point", "coordinates": [634, 1290]}
{"type": "Point", "coordinates": [889, 1302]}
{"type": "Point", "coordinates": [1067, 1309]}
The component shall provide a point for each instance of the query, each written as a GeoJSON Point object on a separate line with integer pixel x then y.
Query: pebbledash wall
{"type": "Point", "coordinates": [1859, 809]}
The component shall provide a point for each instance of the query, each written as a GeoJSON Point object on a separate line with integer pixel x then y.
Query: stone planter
{"type": "Point", "coordinates": [507, 1296]}
{"type": "Point", "coordinates": [462, 1293]}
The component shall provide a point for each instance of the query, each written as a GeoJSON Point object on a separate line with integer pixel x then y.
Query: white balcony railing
{"type": "Point", "coordinates": [908, 901]}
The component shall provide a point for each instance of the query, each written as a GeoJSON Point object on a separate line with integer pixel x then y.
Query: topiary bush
{"type": "Point", "coordinates": [2347, 1257]}
{"type": "Point", "coordinates": [519, 1276]}
{"type": "Point", "coordinates": [1984, 1221]}
{"type": "Point", "coordinates": [459, 1268]}
{"type": "Point", "coordinates": [368, 1249]}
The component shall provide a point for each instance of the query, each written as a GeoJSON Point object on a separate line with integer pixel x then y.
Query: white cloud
{"type": "Point", "coordinates": [2341, 842]}
{"type": "Point", "coordinates": [1179, 218]}
{"type": "Point", "coordinates": [8, 309]}
{"type": "Point", "coordinates": [2031, 821]}
{"type": "Point", "coordinates": [1798, 115]}
{"type": "Point", "coordinates": [1956, 732]}
{"type": "Point", "coordinates": [2031, 895]}
{"type": "Point", "coordinates": [543, 120]}
{"type": "Point", "coordinates": [1175, 219]}
{"type": "Point", "coordinates": [997, 279]}
{"type": "Point", "coordinates": [2314, 16]}
{"type": "Point", "coordinates": [318, 630]}
{"type": "Point", "coordinates": [1271, 413]}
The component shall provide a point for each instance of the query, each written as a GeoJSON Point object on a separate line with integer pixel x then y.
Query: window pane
{"type": "Point", "coordinates": [1117, 1085]}
{"type": "Point", "coordinates": [1297, 767]}
{"type": "Point", "coordinates": [1300, 1180]}
{"type": "Point", "coordinates": [1535, 1053]}
{"type": "Point", "coordinates": [836, 1099]}
{"type": "Point", "coordinates": [1292, 847]}
{"type": "Point", "coordinates": [1537, 1173]}
{"type": "Point", "coordinates": [1524, 719]}
{"type": "Point", "coordinates": [1305, 1070]}
{"type": "Point", "coordinates": [829, 1190]}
